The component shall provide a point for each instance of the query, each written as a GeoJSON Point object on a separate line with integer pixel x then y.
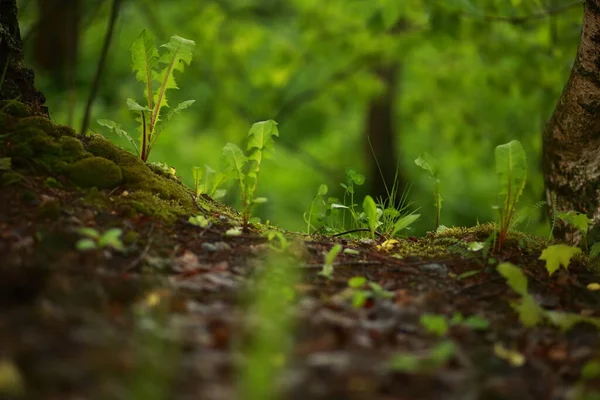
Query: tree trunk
{"type": "Point", "coordinates": [571, 139]}
{"type": "Point", "coordinates": [16, 80]}
{"type": "Point", "coordinates": [380, 130]}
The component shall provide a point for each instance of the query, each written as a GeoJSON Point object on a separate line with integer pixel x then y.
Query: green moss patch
{"type": "Point", "coordinates": [95, 172]}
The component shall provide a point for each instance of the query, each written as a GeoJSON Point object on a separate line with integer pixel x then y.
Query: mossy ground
{"type": "Point", "coordinates": [165, 316]}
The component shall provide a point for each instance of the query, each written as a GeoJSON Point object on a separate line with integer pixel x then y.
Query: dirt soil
{"type": "Point", "coordinates": [164, 318]}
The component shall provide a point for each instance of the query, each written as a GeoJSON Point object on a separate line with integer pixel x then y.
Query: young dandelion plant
{"type": "Point", "coordinates": [155, 69]}
{"type": "Point", "coordinates": [246, 167]}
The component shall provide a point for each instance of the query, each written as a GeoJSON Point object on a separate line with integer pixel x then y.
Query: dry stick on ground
{"type": "Point", "coordinates": [116, 5]}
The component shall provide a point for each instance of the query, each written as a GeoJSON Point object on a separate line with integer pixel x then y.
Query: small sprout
{"type": "Point", "coordinates": [467, 274]}
{"type": "Point", "coordinates": [351, 252]}
{"type": "Point", "coordinates": [476, 246]}
{"type": "Point", "coordinates": [94, 240]}
{"type": "Point", "coordinates": [513, 357]}
{"type": "Point", "coordinates": [199, 220]}
{"type": "Point", "coordinates": [426, 162]}
{"type": "Point", "coordinates": [322, 191]}
{"type": "Point", "coordinates": [237, 231]}
{"type": "Point", "coordinates": [360, 290]}
{"type": "Point", "coordinates": [436, 357]}
{"type": "Point", "coordinates": [530, 313]}
{"type": "Point", "coordinates": [277, 240]}
{"type": "Point", "coordinates": [327, 270]}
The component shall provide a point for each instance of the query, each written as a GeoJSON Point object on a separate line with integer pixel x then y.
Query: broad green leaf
{"type": "Point", "coordinates": [86, 244]}
{"type": "Point", "coordinates": [425, 161]}
{"type": "Point", "coordinates": [370, 209]}
{"type": "Point", "coordinates": [116, 128]}
{"type": "Point", "coordinates": [405, 222]}
{"type": "Point", "coordinates": [433, 323]}
{"type": "Point", "coordinates": [261, 134]}
{"type": "Point", "coordinates": [530, 313]}
{"type": "Point", "coordinates": [557, 255]}
{"type": "Point", "coordinates": [578, 220]}
{"type": "Point", "coordinates": [357, 282]}
{"type": "Point", "coordinates": [511, 167]}
{"type": "Point", "coordinates": [236, 159]}
{"type": "Point", "coordinates": [5, 164]}
{"type": "Point", "coordinates": [144, 55]}
{"type": "Point", "coordinates": [515, 278]}
{"type": "Point", "coordinates": [322, 190]}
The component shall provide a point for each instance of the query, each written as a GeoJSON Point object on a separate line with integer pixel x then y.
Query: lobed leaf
{"type": "Point", "coordinates": [557, 255]}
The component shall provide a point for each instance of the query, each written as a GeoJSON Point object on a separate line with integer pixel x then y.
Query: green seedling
{"type": "Point", "coordinates": [426, 361]}
{"type": "Point", "coordinates": [277, 240]}
{"type": "Point", "coordinates": [208, 181]}
{"type": "Point", "coordinates": [156, 71]}
{"type": "Point", "coordinates": [511, 167]}
{"type": "Point", "coordinates": [95, 240]}
{"type": "Point", "coordinates": [360, 290]}
{"type": "Point", "coordinates": [246, 167]}
{"type": "Point", "coordinates": [530, 313]}
{"type": "Point", "coordinates": [199, 220]}
{"type": "Point", "coordinates": [427, 163]}
{"type": "Point", "coordinates": [372, 213]}
{"type": "Point", "coordinates": [317, 202]}
{"type": "Point", "coordinates": [439, 324]}
{"type": "Point", "coordinates": [352, 178]}
{"type": "Point", "coordinates": [327, 269]}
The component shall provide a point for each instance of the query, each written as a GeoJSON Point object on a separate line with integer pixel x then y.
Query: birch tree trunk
{"type": "Point", "coordinates": [571, 139]}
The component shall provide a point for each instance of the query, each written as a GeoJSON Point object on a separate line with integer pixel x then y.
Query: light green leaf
{"type": "Point", "coordinates": [433, 323]}
{"type": "Point", "coordinates": [144, 55]}
{"type": "Point", "coordinates": [424, 161]}
{"type": "Point", "coordinates": [332, 253]}
{"type": "Point", "coordinates": [261, 134]}
{"type": "Point", "coordinates": [5, 164]}
{"type": "Point", "coordinates": [236, 159]}
{"type": "Point", "coordinates": [112, 238]}
{"type": "Point", "coordinates": [199, 220]}
{"type": "Point", "coordinates": [370, 209]}
{"type": "Point", "coordinates": [237, 231]}
{"type": "Point", "coordinates": [357, 282]}
{"type": "Point", "coordinates": [322, 190]}
{"type": "Point", "coordinates": [116, 128]}
{"type": "Point", "coordinates": [405, 222]}
{"type": "Point", "coordinates": [476, 323]}
{"type": "Point", "coordinates": [516, 279]}
{"type": "Point", "coordinates": [86, 244]}
{"type": "Point", "coordinates": [578, 220]}
{"type": "Point", "coordinates": [557, 255]}
{"type": "Point", "coordinates": [595, 250]}
{"type": "Point", "coordinates": [133, 105]}
{"type": "Point", "coordinates": [530, 313]}
{"type": "Point", "coordinates": [89, 232]}
{"type": "Point", "coordinates": [476, 246]}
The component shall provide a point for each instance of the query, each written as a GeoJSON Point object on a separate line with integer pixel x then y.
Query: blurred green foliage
{"type": "Point", "coordinates": [473, 74]}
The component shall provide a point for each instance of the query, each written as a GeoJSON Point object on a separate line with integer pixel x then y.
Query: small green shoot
{"type": "Point", "coordinates": [318, 200]}
{"type": "Point", "coordinates": [208, 181]}
{"type": "Point", "coordinates": [372, 213]}
{"type": "Point", "coordinates": [95, 240]}
{"type": "Point", "coordinates": [352, 178]}
{"type": "Point", "coordinates": [511, 167]}
{"type": "Point", "coordinates": [247, 167]}
{"type": "Point", "coordinates": [439, 324]}
{"type": "Point", "coordinates": [435, 324]}
{"type": "Point", "coordinates": [327, 270]}
{"type": "Point", "coordinates": [428, 361]}
{"type": "Point", "coordinates": [427, 162]}
{"type": "Point", "coordinates": [157, 80]}
{"type": "Point", "coordinates": [360, 290]}
{"type": "Point", "coordinates": [199, 220]}
{"type": "Point", "coordinates": [530, 313]}
{"type": "Point", "coordinates": [277, 240]}
{"type": "Point", "coordinates": [557, 255]}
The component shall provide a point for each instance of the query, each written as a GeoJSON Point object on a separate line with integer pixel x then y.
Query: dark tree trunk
{"type": "Point", "coordinates": [571, 139]}
{"type": "Point", "coordinates": [56, 44]}
{"type": "Point", "coordinates": [380, 129]}
{"type": "Point", "coordinates": [16, 80]}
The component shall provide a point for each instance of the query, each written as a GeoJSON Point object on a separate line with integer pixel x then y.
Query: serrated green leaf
{"type": "Point", "coordinates": [144, 55]}
{"type": "Point", "coordinates": [116, 128]}
{"type": "Point", "coordinates": [557, 255]}
{"type": "Point", "coordinates": [133, 105]}
{"type": "Point", "coordinates": [236, 160]}
{"type": "Point", "coordinates": [261, 134]}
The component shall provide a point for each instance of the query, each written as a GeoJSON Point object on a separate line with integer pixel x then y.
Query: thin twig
{"type": "Point", "coordinates": [96, 84]}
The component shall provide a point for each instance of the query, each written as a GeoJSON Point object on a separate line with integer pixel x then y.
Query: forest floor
{"type": "Point", "coordinates": [167, 317]}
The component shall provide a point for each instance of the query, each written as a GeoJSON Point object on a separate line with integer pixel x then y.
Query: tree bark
{"type": "Point", "coordinates": [571, 139]}
{"type": "Point", "coordinates": [16, 80]}
{"type": "Point", "coordinates": [380, 129]}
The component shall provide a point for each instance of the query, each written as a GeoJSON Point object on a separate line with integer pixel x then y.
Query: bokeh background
{"type": "Point", "coordinates": [452, 78]}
